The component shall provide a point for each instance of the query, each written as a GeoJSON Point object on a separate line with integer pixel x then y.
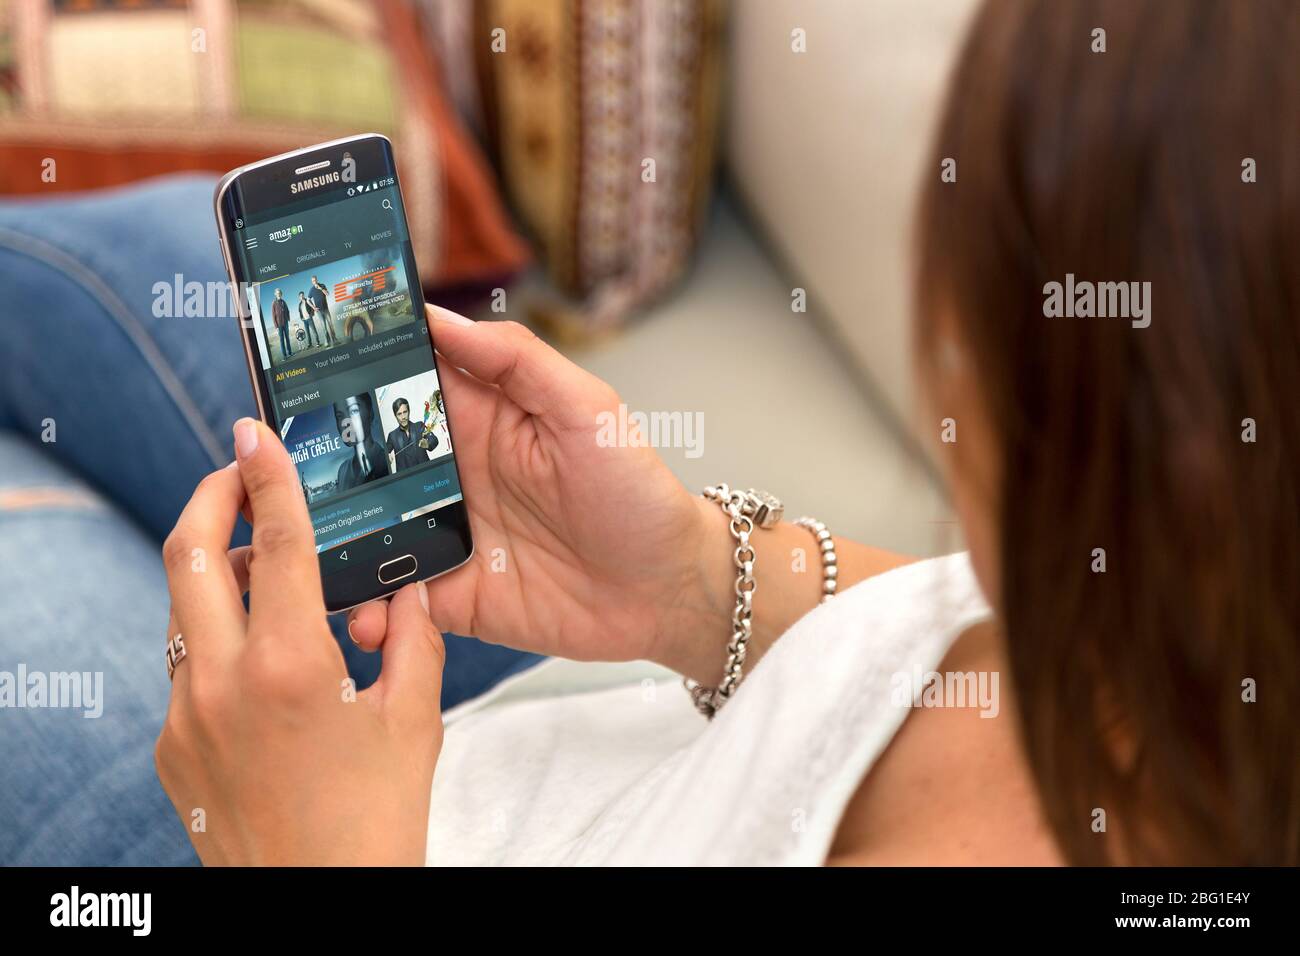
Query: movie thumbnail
{"type": "Point", "coordinates": [334, 304]}
{"type": "Point", "coordinates": [337, 448]}
{"type": "Point", "coordinates": [413, 420]}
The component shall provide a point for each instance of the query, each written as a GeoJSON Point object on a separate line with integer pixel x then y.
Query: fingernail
{"type": "Point", "coordinates": [245, 438]}
{"type": "Point", "coordinates": [352, 636]}
{"type": "Point", "coordinates": [453, 317]}
{"type": "Point", "coordinates": [423, 594]}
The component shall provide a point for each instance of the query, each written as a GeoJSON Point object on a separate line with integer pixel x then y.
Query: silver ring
{"type": "Point", "coordinates": [175, 654]}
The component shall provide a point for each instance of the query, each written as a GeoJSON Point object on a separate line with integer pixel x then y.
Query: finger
{"type": "Point", "coordinates": [409, 687]}
{"type": "Point", "coordinates": [532, 374]}
{"type": "Point", "coordinates": [180, 679]}
{"type": "Point", "coordinates": [367, 625]}
{"type": "Point", "coordinates": [205, 596]}
{"type": "Point", "coordinates": [283, 573]}
{"type": "Point", "coordinates": [466, 396]}
{"type": "Point", "coordinates": [238, 558]}
{"type": "Point", "coordinates": [451, 599]}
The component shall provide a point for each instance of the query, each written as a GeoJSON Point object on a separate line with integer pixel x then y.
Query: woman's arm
{"type": "Point", "coordinates": [786, 588]}
{"type": "Point", "coordinates": [589, 548]}
{"type": "Point", "coordinates": [269, 753]}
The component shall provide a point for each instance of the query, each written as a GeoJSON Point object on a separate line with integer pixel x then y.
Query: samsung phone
{"type": "Point", "coordinates": [342, 363]}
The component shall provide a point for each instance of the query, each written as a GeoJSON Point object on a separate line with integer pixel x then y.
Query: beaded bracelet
{"type": "Point", "coordinates": [830, 562]}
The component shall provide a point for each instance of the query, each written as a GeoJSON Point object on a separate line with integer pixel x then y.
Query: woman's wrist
{"type": "Point", "coordinates": [695, 643]}
{"type": "Point", "coordinates": [788, 584]}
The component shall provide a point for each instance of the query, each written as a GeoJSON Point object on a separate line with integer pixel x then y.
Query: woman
{"type": "Point", "coordinates": [1131, 581]}
{"type": "Point", "coordinates": [1139, 557]}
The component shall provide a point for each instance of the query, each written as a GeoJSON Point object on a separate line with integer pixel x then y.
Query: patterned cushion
{"type": "Point", "coordinates": [584, 94]}
{"type": "Point", "coordinates": [96, 93]}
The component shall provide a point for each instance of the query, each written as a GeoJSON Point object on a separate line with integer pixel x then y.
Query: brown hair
{"type": "Point", "coordinates": [1121, 166]}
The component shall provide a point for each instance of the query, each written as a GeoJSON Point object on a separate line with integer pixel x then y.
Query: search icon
{"type": "Point", "coordinates": [387, 204]}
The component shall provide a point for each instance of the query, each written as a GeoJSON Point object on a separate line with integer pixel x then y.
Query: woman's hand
{"type": "Point", "coordinates": [268, 753]}
{"type": "Point", "coordinates": [584, 548]}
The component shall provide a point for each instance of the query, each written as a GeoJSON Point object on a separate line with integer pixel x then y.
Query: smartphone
{"type": "Point", "coordinates": [342, 363]}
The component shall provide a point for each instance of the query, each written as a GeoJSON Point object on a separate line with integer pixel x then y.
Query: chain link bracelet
{"type": "Point", "coordinates": [749, 509]}
{"type": "Point", "coordinates": [746, 509]}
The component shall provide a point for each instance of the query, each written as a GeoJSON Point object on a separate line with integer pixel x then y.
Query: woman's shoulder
{"type": "Point", "coordinates": [953, 787]}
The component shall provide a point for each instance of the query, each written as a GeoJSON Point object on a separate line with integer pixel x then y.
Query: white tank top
{"type": "Point", "coordinates": [579, 763]}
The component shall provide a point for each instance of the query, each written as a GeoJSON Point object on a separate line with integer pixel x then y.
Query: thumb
{"type": "Point", "coordinates": [410, 683]}
{"type": "Point", "coordinates": [284, 574]}
{"type": "Point", "coordinates": [533, 375]}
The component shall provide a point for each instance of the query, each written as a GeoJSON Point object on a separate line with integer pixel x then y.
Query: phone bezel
{"type": "Point", "coordinates": [264, 176]}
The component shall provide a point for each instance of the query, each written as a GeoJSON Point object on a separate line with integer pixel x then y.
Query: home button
{"type": "Point", "coordinates": [397, 569]}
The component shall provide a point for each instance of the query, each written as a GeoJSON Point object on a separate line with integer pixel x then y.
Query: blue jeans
{"type": "Point", "coordinates": [109, 416]}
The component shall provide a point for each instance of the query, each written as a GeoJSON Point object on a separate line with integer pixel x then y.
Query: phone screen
{"type": "Point", "coordinates": [341, 354]}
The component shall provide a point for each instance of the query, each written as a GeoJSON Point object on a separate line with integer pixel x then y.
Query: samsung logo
{"type": "Point", "coordinates": [311, 182]}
